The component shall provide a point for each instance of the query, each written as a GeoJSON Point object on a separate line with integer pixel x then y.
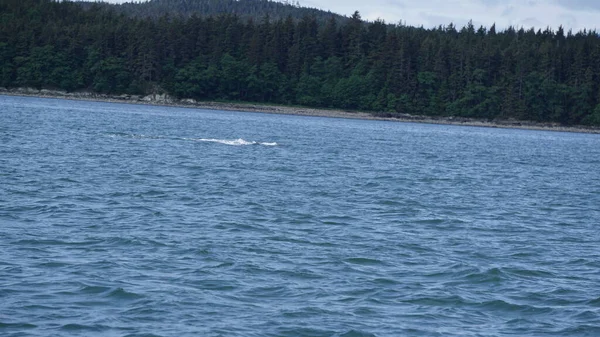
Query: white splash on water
{"type": "Point", "coordinates": [235, 142]}
{"type": "Point", "coordinates": [232, 142]}
{"type": "Point", "coordinates": [132, 135]}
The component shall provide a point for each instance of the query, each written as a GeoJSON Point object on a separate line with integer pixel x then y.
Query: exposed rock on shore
{"type": "Point", "coordinates": [164, 99]}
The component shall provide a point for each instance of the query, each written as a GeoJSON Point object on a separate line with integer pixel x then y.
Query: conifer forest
{"type": "Point", "coordinates": [281, 53]}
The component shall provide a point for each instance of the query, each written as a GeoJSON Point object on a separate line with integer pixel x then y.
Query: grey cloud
{"type": "Point", "coordinates": [572, 14]}
{"type": "Point", "coordinates": [491, 2]}
{"type": "Point", "coordinates": [508, 11]}
{"type": "Point", "coordinates": [531, 22]}
{"type": "Point", "coordinates": [395, 3]}
{"type": "Point", "coordinates": [579, 4]}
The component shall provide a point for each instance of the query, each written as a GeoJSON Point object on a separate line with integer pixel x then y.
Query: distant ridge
{"type": "Point", "coordinates": [255, 9]}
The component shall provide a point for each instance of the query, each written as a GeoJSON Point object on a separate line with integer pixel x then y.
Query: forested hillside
{"type": "Point", "coordinates": [540, 75]}
{"type": "Point", "coordinates": [242, 8]}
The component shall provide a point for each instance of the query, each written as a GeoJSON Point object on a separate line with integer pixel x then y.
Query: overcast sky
{"type": "Point", "coordinates": [572, 14]}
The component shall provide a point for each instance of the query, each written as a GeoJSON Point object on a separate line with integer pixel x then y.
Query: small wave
{"type": "Point", "coordinates": [81, 327]}
{"type": "Point", "coordinates": [122, 294]}
{"type": "Point", "coordinates": [303, 331]}
{"type": "Point", "coordinates": [580, 330]}
{"type": "Point", "coordinates": [17, 325]}
{"type": "Point", "coordinates": [448, 301]}
{"type": "Point", "coordinates": [595, 302]}
{"type": "Point", "coordinates": [132, 135]}
{"type": "Point", "coordinates": [586, 315]}
{"type": "Point", "coordinates": [488, 276]}
{"type": "Point", "coordinates": [94, 289]}
{"type": "Point", "coordinates": [501, 305]}
{"type": "Point", "coordinates": [357, 333]}
{"type": "Point", "coordinates": [363, 261]}
{"type": "Point", "coordinates": [54, 242]}
{"type": "Point", "coordinates": [109, 292]}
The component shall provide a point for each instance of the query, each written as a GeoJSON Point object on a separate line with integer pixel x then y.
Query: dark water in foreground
{"type": "Point", "coordinates": [125, 220]}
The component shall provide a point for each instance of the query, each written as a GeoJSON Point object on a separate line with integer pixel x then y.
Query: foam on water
{"type": "Point", "coordinates": [232, 142]}
{"type": "Point", "coordinates": [235, 142]}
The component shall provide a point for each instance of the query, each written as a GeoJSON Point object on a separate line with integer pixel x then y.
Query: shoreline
{"type": "Point", "coordinates": [164, 100]}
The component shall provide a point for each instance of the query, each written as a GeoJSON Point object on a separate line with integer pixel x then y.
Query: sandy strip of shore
{"type": "Point", "coordinates": [163, 100]}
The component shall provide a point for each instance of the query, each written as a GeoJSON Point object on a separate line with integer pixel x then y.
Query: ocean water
{"type": "Point", "coordinates": [130, 220]}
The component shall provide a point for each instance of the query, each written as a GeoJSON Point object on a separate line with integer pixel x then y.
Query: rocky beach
{"type": "Point", "coordinates": [166, 100]}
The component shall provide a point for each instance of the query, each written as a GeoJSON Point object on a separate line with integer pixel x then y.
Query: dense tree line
{"type": "Point", "coordinates": [242, 8]}
{"type": "Point", "coordinates": [541, 75]}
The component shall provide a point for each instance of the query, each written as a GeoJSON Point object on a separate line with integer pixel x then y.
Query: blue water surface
{"type": "Point", "coordinates": [133, 220]}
